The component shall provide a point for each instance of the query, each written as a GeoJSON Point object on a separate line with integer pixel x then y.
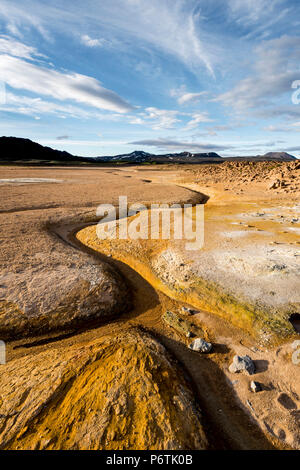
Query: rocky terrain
{"type": "Point", "coordinates": [108, 337]}
{"type": "Point", "coordinates": [274, 176]}
{"type": "Point", "coordinates": [123, 393]}
{"type": "Point", "coordinates": [267, 157]}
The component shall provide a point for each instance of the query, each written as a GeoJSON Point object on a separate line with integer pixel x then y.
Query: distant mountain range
{"type": "Point", "coordinates": [13, 149]}
{"type": "Point", "coordinates": [139, 156]}
{"type": "Point", "coordinates": [271, 156]}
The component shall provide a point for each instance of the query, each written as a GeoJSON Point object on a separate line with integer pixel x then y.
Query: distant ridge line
{"type": "Point", "coordinates": [14, 149]}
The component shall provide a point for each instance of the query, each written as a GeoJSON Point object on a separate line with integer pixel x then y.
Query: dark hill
{"type": "Point", "coordinates": [17, 149]}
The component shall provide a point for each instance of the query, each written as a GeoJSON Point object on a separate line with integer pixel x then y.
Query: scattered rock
{"type": "Point", "coordinates": [276, 184]}
{"type": "Point", "coordinates": [189, 311]}
{"type": "Point", "coordinates": [255, 387]}
{"type": "Point", "coordinates": [278, 267]}
{"type": "Point", "coordinates": [241, 364]}
{"type": "Point", "coordinates": [200, 345]}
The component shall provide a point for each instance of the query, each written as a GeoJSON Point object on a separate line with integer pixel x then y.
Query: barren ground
{"type": "Point", "coordinates": [72, 306]}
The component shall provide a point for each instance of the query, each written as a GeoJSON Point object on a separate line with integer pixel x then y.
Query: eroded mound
{"type": "Point", "coordinates": [76, 296]}
{"type": "Point", "coordinates": [126, 393]}
{"type": "Point", "coordinates": [279, 176]}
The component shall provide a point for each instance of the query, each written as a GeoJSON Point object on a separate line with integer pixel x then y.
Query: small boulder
{"type": "Point", "coordinates": [275, 185]}
{"type": "Point", "coordinates": [187, 310]}
{"type": "Point", "coordinates": [200, 345]}
{"type": "Point", "coordinates": [241, 364]}
{"type": "Point", "coordinates": [255, 386]}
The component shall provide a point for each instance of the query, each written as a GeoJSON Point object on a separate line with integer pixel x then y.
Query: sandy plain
{"type": "Point", "coordinates": [73, 307]}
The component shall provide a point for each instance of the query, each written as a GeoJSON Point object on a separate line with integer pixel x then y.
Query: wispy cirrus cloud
{"type": "Point", "coordinates": [184, 97]}
{"type": "Point", "coordinates": [156, 118]}
{"type": "Point", "coordinates": [16, 48]}
{"type": "Point", "coordinates": [290, 113]}
{"type": "Point", "coordinates": [170, 27]}
{"type": "Point", "coordinates": [251, 12]}
{"type": "Point", "coordinates": [191, 97]}
{"type": "Point", "coordinates": [197, 119]}
{"type": "Point", "coordinates": [22, 16]}
{"type": "Point", "coordinates": [293, 127]}
{"type": "Point", "coordinates": [275, 69]}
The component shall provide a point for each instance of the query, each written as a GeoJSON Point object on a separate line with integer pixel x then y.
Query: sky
{"type": "Point", "coordinates": [104, 77]}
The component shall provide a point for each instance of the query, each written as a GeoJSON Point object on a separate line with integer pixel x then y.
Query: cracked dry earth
{"type": "Point", "coordinates": [90, 362]}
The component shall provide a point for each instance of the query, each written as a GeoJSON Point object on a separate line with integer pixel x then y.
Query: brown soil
{"type": "Point", "coordinates": [38, 226]}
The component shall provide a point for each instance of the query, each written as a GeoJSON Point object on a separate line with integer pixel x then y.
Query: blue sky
{"type": "Point", "coordinates": [111, 76]}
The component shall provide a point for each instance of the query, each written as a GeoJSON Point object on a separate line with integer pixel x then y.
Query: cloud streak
{"type": "Point", "coordinates": [274, 71]}
{"type": "Point", "coordinates": [16, 48]}
{"type": "Point", "coordinates": [174, 145]}
{"type": "Point", "coordinates": [249, 12]}
{"type": "Point", "coordinates": [171, 27]}
{"type": "Point", "coordinates": [90, 42]}
{"type": "Point", "coordinates": [22, 75]}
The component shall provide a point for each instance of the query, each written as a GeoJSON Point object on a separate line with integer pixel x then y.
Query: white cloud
{"type": "Point", "coordinates": [15, 48]}
{"type": "Point", "coordinates": [191, 97]}
{"type": "Point", "coordinates": [184, 97]}
{"type": "Point", "coordinates": [156, 118]}
{"type": "Point", "coordinates": [89, 42]}
{"type": "Point", "coordinates": [23, 75]}
{"type": "Point", "coordinates": [19, 16]}
{"type": "Point", "coordinates": [137, 121]}
{"type": "Point", "coordinates": [36, 107]}
{"type": "Point", "coordinates": [198, 118]}
{"type": "Point", "coordinates": [161, 118]}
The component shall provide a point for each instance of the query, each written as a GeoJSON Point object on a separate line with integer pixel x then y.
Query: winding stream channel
{"type": "Point", "coordinates": [228, 423]}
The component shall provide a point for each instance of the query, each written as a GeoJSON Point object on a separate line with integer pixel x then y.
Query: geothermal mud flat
{"type": "Point", "coordinates": [73, 308]}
